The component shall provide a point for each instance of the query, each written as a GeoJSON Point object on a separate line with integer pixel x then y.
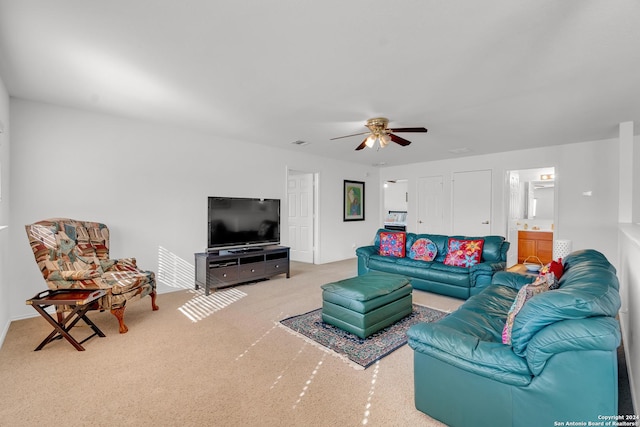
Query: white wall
{"type": "Point", "coordinates": [5, 302]}
{"type": "Point", "coordinates": [149, 184]}
{"type": "Point", "coordinates": [629, 275]}
{"type": "Point", "coordinates": [589, 222]}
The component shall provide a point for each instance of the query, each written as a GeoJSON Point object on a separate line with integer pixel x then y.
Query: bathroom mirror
{"type": "Point", "coordinates": [540, 200]}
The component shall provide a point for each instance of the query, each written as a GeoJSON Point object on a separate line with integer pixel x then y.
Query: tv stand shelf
{"type": "Point", "coordinates": [225, 268]}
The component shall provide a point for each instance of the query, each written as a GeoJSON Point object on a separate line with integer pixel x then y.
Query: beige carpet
{"type": "Point", "coordinates": [220, 360]}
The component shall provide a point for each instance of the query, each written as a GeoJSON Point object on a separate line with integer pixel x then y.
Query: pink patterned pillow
{"type": "Point", "coordinates": [423, 250]}
{"type": "Point", "coordinates": [392, 243]}
{"type": "Point", "coordinates": [464, 253]}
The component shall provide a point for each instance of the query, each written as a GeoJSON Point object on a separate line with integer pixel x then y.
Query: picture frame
{"type": "Point", "coordinates": [353, 201]}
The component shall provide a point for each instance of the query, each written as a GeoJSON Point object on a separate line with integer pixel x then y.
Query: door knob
{"type": "Point", "coordinates": [485, 222]}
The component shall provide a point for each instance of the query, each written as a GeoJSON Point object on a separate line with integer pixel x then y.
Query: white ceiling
{"type": "Point", "coordinates": [486, 76]}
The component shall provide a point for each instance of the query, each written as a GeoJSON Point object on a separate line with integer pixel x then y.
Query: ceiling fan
{"type": "Point", "coordinates": [381, 134]}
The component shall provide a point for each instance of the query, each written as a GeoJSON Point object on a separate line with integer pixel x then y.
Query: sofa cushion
{"type": "Point", "coordinates": [423, 249]}
{"type": "Point", "coordinates": [393, 265]}
{"type": "Point", "coordinates": [587, 257]}
{"type": "Point", "coordinates": [125, 281]}
{"type": "Point", "coordinates": [392, 243]}
{"type": "Point", "coordinates": [464, 253]}
{"type": "Point", "coordinates": [588, 288]}
{"type": "Point", "coordinates": [471, 338]}
{"type": "Point", "coordinates": [494, 248]}
{"type": "Point", "coordinates": [449, 274]}
{"type": "Point", "coordinates": [482, 316]}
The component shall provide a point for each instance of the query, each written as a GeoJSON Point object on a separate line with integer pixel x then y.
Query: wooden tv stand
{"type": "Point", "coordinates": [225, 268]}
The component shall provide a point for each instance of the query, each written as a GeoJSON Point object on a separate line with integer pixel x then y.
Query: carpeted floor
{"type": "Point", "coordinates": [221, 360]}
{"type": "Point", "coordinates": [361, 351]}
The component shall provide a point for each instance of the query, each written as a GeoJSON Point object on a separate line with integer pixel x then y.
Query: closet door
{"type": "Point", "coordinates": [472, 203]}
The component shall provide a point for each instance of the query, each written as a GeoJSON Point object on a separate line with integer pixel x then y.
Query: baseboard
{"type": "Point", "coordinates": [3, 335]}
{"type": "Point", "coordinates": [623, 318]}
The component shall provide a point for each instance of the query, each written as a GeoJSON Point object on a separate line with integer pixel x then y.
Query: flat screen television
{"type": "Point", "coordinates": [239, 223]}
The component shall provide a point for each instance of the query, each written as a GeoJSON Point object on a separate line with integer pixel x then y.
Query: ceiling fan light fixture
{"type": "Point", "coordinates": [381, 134]}
{"type": "Point", "coordinates": [371, 141]}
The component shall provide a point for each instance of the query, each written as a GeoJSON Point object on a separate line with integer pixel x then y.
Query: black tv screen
{"type": "Point", "coordinates": [236, 222]}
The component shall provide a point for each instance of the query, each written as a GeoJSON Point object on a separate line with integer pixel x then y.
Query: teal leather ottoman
{"type": "Point", "coordinates": [365, 304]}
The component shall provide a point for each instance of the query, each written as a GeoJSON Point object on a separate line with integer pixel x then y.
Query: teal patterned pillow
{"type": "Point", "coordinates": [392, 243]}
{"type": "Point", "coordinates": [423, 249]}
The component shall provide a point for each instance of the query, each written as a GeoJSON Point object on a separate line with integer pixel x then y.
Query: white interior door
{"type": "Point", "coordinates": [472, 203]}
{"type": "Point", "coordinates": [430, 205]}
{"type": "Point", "coordinates": [300, 206]}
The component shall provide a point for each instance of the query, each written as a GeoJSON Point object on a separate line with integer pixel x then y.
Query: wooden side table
{"type": "Point", "coordinates": [80, 301]}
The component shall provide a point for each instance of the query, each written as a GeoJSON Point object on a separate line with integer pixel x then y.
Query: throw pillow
{"type": "Point", "coordinates": [552, 273]}
{"type": "Point", "coordinates": [555, 267]}
{"type": "Point", "coordinates": [464, 253]}
{"type": "Point", "coordinates": [423, 250]}
{"type": "Point", "coordinates": [392, 243]}
{"type": "Point", "coordinates": [524, 294]}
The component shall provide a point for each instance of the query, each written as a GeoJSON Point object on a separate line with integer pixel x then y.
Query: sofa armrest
{"type": "Point", "coordinates": [366, 251]}
{"type": "Point", "coordinates": [481, 274]}
{"type": "Point", "coordinates": [593, 333]}
{"type": "Point", "coordinates": [512, 280]}
{"type": "Point", "coordinates": [489, 359]}
{"type": "Point", "coordinates": [73, 275]}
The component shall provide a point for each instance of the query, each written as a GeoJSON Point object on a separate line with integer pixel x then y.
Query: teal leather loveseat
{"type": "Point", "coordinates": [435, 276]}
{"type": "Point", "coordinates": [560, 367]}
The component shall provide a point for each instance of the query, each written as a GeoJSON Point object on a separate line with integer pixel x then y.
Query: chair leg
{"type": "Point", "coordinates": [154, 307]}
{"type": "Point", "coordinates": [119, 313]}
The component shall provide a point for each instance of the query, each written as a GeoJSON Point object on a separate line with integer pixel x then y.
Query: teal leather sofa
{"type": "Point", "coordinates": [561, 366]}
{"type": "Point", "coordinates": [435, 276]}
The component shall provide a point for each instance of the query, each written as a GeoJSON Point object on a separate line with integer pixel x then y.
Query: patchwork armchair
{"type": "Point", "coordinates": [74, 254]}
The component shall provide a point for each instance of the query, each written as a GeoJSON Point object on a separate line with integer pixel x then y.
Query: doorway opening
{"type": "Point", "coordinates": [396, 204]}
{"type": "Point", "coordinates": [531, 208]}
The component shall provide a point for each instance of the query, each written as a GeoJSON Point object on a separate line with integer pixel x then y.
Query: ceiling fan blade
{"type": "Point", "coordinates": [347, 136]}
{"type": "Point", "coordinates": [408, 130]}
{"type": "Point", "coordinates": [362, 145]}
{"type": "Point", "coordinates": [398, 140]}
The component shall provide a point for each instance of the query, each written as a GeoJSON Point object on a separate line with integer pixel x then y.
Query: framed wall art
{"type": "Point", "coordinates": [353, 201]}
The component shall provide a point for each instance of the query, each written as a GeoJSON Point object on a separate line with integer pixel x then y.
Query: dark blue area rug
{"type": "Point", "coordinates": [363, 352]}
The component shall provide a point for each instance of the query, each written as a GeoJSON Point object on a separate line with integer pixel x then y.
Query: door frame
{"type": "Point", "coordinates": [513, 249]}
